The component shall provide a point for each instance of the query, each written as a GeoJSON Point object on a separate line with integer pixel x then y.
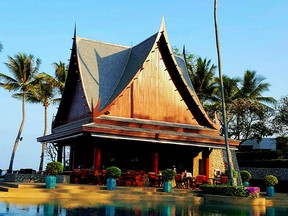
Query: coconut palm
{"type": "Point", "coordinates": [44, 94]}
{"type": "Point", "coordinates": [60, 75]}
{"type": "Point", "coordinates": [229, 159]}
{"type": "Point", "coordinates": [23, 68]}
{"type": "Point", "coordinates": [1, 47]}
{"type": "Point", "coordinates": [252, 87]}
{"type": "Point", "coordinates": [203, 78]}
{"type": "Point", "coordinates": [230, 91]}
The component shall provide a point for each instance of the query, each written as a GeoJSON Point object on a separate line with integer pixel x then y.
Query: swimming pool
{"type": "Point", "coordinates": [146, 208]}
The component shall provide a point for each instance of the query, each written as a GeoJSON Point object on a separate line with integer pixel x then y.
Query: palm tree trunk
{"type": "Point", "coordinates": [229, 160]}
{"type": "Point", "coordinates": [18, 138]}
{"type": "Point", "coordinates": [44, 134]}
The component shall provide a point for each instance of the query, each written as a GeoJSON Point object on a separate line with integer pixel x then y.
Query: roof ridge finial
{"type": "Point", "coordinates": [184, 50]}
{"type": "Point", "coordinates": [162, 27]}
{"type": "Point", "coordinates": [75, 31]}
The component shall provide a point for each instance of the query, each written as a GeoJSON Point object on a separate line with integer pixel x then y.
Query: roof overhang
{"type": "Point", "coordinates": [157, 132]}
{"type": "Point", "coordinates": [108, 136]}
{"type": "Point", "coordinates": [52, 139]}
{"type": "Point", "coordinates": [110, 127]}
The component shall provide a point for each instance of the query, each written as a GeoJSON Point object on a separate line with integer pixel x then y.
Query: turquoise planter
{"type": "Point", "coordinates": [111, 184]}
{"type": "Point", "coordinates": [110, 211]}
{"type": "Point", "coordinates": [270, 191]}
{"type": "Point", "coordinates": [167, 210]}
{"type": "Point", "coordinates": [246, 184]}
{"type": "Point", "coordinates": [49, 209]}
{"type": "Point", "coordinates": [50, 182]}
{"type": "Point", "coordinates": [167, 186]}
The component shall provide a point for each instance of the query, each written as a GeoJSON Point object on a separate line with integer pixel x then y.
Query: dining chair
{"type": "Point", "coordinates": [84, 176]}
{"type": "Point", "coordinates": [200, 179]}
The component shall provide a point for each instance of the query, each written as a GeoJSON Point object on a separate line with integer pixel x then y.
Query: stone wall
{"type": "Point", "coordinates": [218, 160]}
{"type": "Point", "coordinates": [34, 178]}
{"type": "Point", "coordinates": [260, 173]}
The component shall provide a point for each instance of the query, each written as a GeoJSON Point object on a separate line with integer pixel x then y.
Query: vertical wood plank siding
{"type": "Point", "coordinates": [153, 96]}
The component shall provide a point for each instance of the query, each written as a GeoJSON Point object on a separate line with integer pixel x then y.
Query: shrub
{"type": "Point", "coordinates": [282, 143]}
{"type": "Point", "coordinates": [226, 190]}
{"type": "Point", "coordinates": [235, 173]}
{"type": "Point", "coordinates": [54, 168]}
{"type": "Point", "coordinates": [113, 172]}
{"type": "Point", "coordinates": [270, 180]}
{"type": "Point", "coordinates": [245, 175]}
{"type": "Point", "coordinates": [168, 174]}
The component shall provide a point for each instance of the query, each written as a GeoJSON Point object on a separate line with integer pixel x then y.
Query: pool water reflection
{"type": "Point", "coordinates": [71, 208]}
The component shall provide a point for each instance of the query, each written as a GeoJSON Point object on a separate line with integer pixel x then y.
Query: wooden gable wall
{"type": "Point", "coordinates": [152, 95]}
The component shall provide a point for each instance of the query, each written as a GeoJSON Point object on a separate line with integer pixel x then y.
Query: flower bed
{"type": "Point", "coordinates": [237, 195]}
{"type": "Point", "coordinates": [254, 192]}
{"type": "Point", "coordinates": [236, 191]}
{"type": "Point", "coordinates": [231, 200]}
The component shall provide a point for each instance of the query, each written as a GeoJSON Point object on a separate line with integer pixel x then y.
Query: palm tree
{"type": "Point", "coordinates": [1, 47]}
{"type": "Point", "coordinates": [23, 68]}
{"type": "Point", "coordinates": [45, 94]}
{"type": "Point", "coordinates": [60, 75]}
{"type": "Point", "coordinates": [230, 91]}
{"type": "Point", "coordinates": [252, 87]}
{"type": "Point", "coordinates": [229, 159]}
{"type": "Point", "coordinates": [203, 78]}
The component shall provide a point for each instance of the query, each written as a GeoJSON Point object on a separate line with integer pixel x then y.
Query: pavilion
{"type": "Point", "coordinates": [135, 107]}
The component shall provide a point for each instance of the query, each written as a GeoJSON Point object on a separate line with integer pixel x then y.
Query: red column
{"type": "Point", "coordinates": [207, 166]}
{"type": "Point", "coordinates": [97, 158]}
{"type": "Point", "coordinates": [206, 154]}
{"type": "Point", "coordinates": [155, 162]}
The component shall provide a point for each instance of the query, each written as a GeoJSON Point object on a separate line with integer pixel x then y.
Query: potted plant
{"type": "Point", "coordinates": [168, 175]}
{"type": "Point", "coordinates": [112, 173]}
{"type": "Point", "coordinates": [245, 176]}
{"type": "Point", "coordinates": [52, 169]}
{"type": "Point", "coordinates": [270, 181]}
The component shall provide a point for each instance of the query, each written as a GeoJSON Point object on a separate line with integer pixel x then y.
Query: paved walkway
{"type": "Point", "coordinates": [28, 191]}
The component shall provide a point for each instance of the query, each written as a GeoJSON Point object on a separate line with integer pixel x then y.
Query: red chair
{"type": "Point", "coordinates": [75, 176]}
{"type": "Point", "coordinates": [180, 181]}
{"type": "Point", "coordinates": [224, 179]}
{"type": "Point", "coordinates": [200, 179]}
{"type": "Point", "coordinates": [139, 178]}
{"type": "Point", "coordinates": [84, 176]}
{"type": "Point", "coordinates": [130, 179]}
{"type": "Point", "coordinates": [98, 178]}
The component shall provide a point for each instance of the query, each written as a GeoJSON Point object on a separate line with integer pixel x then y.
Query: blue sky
{"type": "Point", "coordinates": [253, 35]}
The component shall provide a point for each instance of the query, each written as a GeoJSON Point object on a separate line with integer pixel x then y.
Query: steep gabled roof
{"type": "Point", "coordinates": [103, 72]}
{"type": "Point", "coordinates": [101, 67]}
{"type": "Point", "coordinates": [138, 55]}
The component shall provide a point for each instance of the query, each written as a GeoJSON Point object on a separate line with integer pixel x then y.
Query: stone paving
{"type": "Point", "coordinates": [100, 193]}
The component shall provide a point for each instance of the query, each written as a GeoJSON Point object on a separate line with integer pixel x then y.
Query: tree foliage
{"type": "Point", "coordinates": [44, 94]}
{"type": "Point", "coordinates": [248, 113]}
{"type": "Point", "coordinates": [282, 143]}
{"type": "Point", "coordinates": [60, 75]}
{"type": "Point", "coordinates": [23, 69]}
{"type": "Point", "coordinates": [281, 118]}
